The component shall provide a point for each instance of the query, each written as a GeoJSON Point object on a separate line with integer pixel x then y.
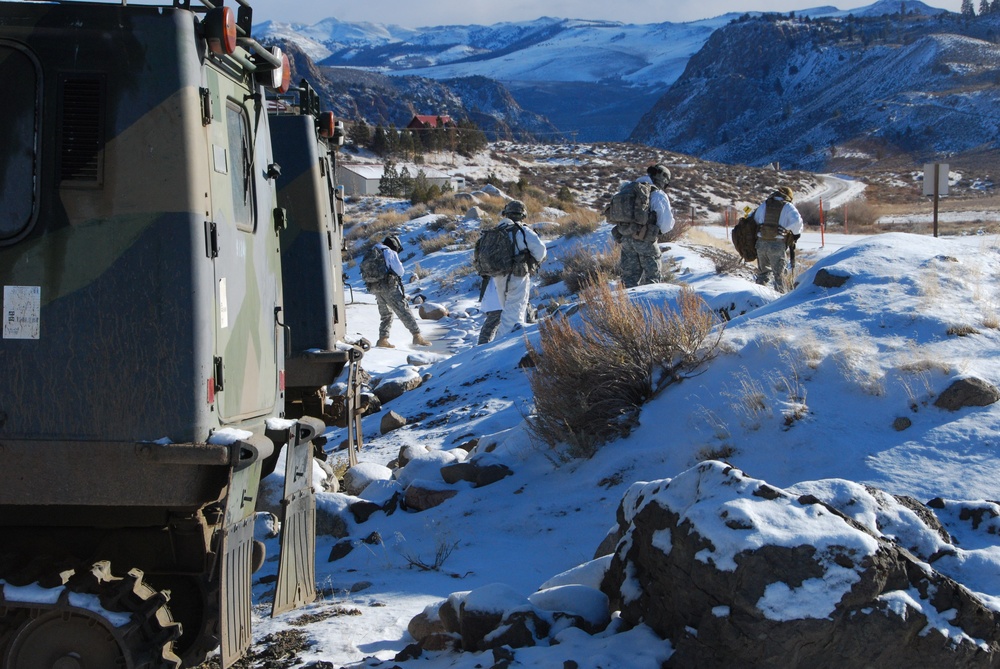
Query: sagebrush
{"type": "Point", "coordinates": [591, 377]}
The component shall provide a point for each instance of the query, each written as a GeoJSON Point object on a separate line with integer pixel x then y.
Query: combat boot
{"type": "Point", "coordinates": [383, 343]}
{"type": "Point", "coordinates": [418, 340]}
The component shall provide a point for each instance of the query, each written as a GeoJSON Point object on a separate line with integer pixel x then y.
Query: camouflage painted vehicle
{"type": "Point", "coordinates": [145, 330]}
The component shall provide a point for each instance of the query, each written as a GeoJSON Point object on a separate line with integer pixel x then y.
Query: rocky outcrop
{"type": "Point", "coordinates": [725, 566]}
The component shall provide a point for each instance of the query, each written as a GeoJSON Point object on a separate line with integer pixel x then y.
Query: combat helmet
{"type": "Point", "coordinates": [392, 241]}
{"type": "Point", "coordinates": [515, 210]}
{"type": "Point", "coordinates": [659, 174]}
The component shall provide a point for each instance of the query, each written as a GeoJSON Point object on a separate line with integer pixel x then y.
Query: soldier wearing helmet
{"type": "Point", "coordinates": [640, 258]}
{"type": "Point", "coordinates": [389, 295]}
{"type": "Point", "coordinates": [779, 225]}
{"type": "Point", "coordinates": [510, 293]}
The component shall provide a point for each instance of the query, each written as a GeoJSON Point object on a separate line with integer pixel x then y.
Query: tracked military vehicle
{"type": "Point", "coordinates": [145, 333]}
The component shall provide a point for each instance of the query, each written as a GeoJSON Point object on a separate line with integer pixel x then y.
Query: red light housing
{"type": "Point", "coordinates": [286, 75]}
{"type": "Point", "coordinates": [327, 124]}
{"type": "Point", "coordinates": [220, 31]}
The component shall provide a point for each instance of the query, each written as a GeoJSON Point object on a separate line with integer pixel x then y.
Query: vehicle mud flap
{"type": "Point", "coordinates": [296, 584]}
{"type": "Point", "coordinates": [236, 567]}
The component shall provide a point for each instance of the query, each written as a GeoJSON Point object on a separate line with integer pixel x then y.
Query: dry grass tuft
{"type": "Point", "coordinates": [589, 382]}
{"type": "Point", "coordinates": [582, 265]}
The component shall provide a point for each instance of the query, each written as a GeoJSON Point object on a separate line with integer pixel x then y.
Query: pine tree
{"type": "Point", "coordinates": [984, 7]}
{"type": "Point", "coordinates": [968, 10]}
{"type": "Point", "coordinates": [380, 143]}
{"type": "Point", "coordinates": [360, 134]}
{"type": "Point", "coordinates": [388, 185]}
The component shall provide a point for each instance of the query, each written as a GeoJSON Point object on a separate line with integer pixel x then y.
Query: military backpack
{"type": "Point", "coordinates": [374, 271]}
{"type": "Point", "coordinates": [496, 252]}
{"type": "Point", "coordinates": [745, 238]}
{"type": "Point", "coordinates": [631, 213]}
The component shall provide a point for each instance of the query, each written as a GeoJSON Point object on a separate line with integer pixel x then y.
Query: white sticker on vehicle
{"type": "Point", "coordinates": [223, 305]}
{"type": "Point", "coordinates": [22, 312]}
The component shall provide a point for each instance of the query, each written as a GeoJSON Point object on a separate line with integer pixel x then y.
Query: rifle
{"type": "Point", "coordinates": [790, 240]}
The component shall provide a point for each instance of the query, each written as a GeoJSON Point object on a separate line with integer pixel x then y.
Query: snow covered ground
{"type": "Point", "coordinates": [832, 368]}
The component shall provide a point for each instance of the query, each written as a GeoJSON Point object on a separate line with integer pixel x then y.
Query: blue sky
{"type": "Point", "coordinates": [417, 14]}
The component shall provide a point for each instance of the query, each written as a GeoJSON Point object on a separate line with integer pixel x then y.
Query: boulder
{"type": "Point", "coordinates": [431, 311]}
{"type": "Point", "coordinates": [390, 390]}
{"type": "Point", "coordinates": [422, 495]}
{"type": "Point", "coordinates": [725, 566]}
{"type": "Point", "coordinates": [967, 392]}
{"type": "Point", "coordinates": [391, 421]}
{"type": "Point", "coordinates": [357, 478]}
{"type": "Point", "coordinates": [826, 279]}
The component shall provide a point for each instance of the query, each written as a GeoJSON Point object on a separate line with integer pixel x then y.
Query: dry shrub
{"type": "Point", "coordinates": [384, 224]}
{"type": "Point", "coordinates": [578, 222]}
{"type": "Point", "coordinates": [582, 265]}
{"type": "Point", "coordinates": [431, 244]}
{"type": "Point", "coordinates": [589, 382]}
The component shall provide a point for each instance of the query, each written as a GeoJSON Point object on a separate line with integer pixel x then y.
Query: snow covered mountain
{"type": "Point", "coordinates": [662, 83]}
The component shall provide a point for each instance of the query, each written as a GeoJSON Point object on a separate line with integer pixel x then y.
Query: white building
{"type": "Point", "coordinates": [363, 178]}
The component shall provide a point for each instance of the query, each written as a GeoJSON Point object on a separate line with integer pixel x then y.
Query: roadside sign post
{"type": "Point", "coordinates": [936, 184]}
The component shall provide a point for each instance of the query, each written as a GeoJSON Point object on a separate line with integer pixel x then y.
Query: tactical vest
{"type": "Point", "coordinates": [769, 229]}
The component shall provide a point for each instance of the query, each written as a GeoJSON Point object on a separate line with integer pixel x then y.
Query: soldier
{"type": "Point", "coordinates": [778, 221]}
{"type": "Point", "coordinates": [640, 258]}
{"type": "Point", "coordinates": [382, 272]}
{"type": "Point", "coordinates": [513, 289]}
{"type": "Point", "coordinates": [489, 299]}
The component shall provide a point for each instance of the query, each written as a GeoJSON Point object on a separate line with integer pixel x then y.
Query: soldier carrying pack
{"type": "Point", "coordinates": [631, 213]}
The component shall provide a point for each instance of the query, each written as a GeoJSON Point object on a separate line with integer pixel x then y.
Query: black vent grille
{"type": "Point", "coordinates": [81, 152]}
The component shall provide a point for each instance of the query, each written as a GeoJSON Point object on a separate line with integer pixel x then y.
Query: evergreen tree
{"type": "Point", "coordinates": [360, 134]}
{"type": "Point", "coordinates": [968, 10]}
{"type": "Point", "coordinates": [405, 185]}
{"type": "Point", "coordinates": [380, 142]}
{"type": "Point", "coordinates": [471, 139]}
{"type": "Point", "coordinates": [388, 185]}
{"type": "Point", "coordinates": [984, 7]}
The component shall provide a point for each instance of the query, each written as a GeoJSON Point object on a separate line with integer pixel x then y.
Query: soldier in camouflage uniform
{"type": "Point", "coordinates": [778, 220]}
{"type": "Point", "coordinates": [390, 297]}
{"type": "Point", "coordinates": [640, 259]}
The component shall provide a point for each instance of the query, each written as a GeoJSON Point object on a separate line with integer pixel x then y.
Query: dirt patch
{"type": "Point", "coordinates": [275, 651]}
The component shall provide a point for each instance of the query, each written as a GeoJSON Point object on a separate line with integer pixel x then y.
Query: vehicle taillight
{"type": "Point", "coordinates": [220, 30]}
{"type": "Point", "coordinates": [327, 124]}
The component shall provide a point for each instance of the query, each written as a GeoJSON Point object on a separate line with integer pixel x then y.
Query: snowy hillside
{"type": "Point", "coordinates": [825, 391]}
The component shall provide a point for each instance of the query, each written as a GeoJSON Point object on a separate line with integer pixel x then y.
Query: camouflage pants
{"type": "Point", "coordinates": [771, 260]}
{"type": "Point", "coordinates": [490, 326]}
{"type": "Point", "coordinates": [391, 301]}
{"type": "Point", "coordinates": [640, 262]}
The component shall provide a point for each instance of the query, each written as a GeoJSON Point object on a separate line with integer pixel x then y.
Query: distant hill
{"type": "Point", "coordinates": [808, 93]}
{"type": "Point", "coordinates": [813, 88]}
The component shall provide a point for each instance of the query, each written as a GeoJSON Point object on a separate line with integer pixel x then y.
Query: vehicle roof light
{"type": "Point", "coordinates": [220, 31]}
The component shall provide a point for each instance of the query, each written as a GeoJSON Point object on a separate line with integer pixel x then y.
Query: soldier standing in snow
{"type": "Point", "coordinates": [513, 289]}
{"type": "Point", "coordinates": [640, 258]}
{"type": "Point", "coordinates": [388, 290]}
{"type": "Point", "coordinates": [778, 220]}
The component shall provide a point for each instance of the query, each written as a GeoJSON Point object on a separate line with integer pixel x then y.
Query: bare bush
{"type": "Point", "coordinates": [582, 266]}
{"type": "Point", "coordinates": [431, 244]}
{"type": "Point", "coordinates": [578, 222]}
{"type": "Point", "coordinates": [589, 382]}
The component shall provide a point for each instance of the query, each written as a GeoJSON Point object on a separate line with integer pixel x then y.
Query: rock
{"type": "Point", "coordinates": [357, 478]}
{"type": "Point", "coordinates": [390, 390]}
{"type": "Point", "coordinates": [459, 471]}
{"type": "Point", "coordinates": [407, 453]}
{"type": "Point", "coordinates": [967, 392]}
{"type": "Point", "coordinates": [491, 474]}
{"type": "Point", "coordinates": [698, 557]}
{"type": "Point", "coordinates": [265, 525]}
{"type": "Point", "coordinates": [426, 623]}
{"type": "Point", "coordinates": [391, 421]}
{"type": "Point", "coordinates": [341, 549]}
{"type": "Point", "coordinates": [426, 465]}
{"type": "Point", "coordinates": [901, 423]}
{"type": "Point", "coordinates": [826, 279]}
{"type": "Point", "coordinates": [422, 495]}
{"type": "Point", "coordinates": [474, 213]}
{"type": "Point", "coordinates": [431, 311]}
{"type": "Point", "coordinates": [362, 510]}
{"type": "Point", "coordinates": [423, 358]}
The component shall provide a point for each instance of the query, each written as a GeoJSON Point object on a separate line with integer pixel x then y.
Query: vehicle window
{"type": "Point", "coordinates": [19, 116]}
{"type": "Point", "coordinates": [241, 166]}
